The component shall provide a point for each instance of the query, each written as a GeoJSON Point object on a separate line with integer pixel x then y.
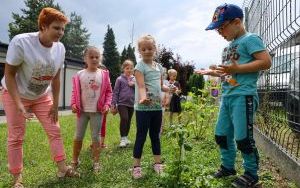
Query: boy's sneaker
{"type": "Point", "coordinates": [122, 143]}
{"type": "Point", "coordinates": [137, 172]}
{"type": "Point", "coordinates": [246, 181]}
{"type": "Point", "coordinates": [158, 168]}
{"type": "Point", "coordinates": [224, 172]}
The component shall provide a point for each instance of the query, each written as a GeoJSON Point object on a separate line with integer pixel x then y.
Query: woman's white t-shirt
{"type": "Point", "coordinates": [37, 64]}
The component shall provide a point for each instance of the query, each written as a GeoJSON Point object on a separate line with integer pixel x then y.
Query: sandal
{"type": "Point", "coordinates": [18, 182]}
{"type": "Point", "coordinates": [18, 185]}
{"type": "Point", "coordinates": [70, 172]}
{"type": "Point", "coordinates": [245, 181]}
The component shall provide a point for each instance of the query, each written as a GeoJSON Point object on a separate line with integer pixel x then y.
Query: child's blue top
{"type": "Point", "coordinates": [242, 50]}
{"type": "Point", "coordinates": [152, 79]}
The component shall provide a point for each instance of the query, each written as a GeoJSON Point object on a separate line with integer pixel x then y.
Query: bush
{"type": "Point", "coordinates": [196, 83]}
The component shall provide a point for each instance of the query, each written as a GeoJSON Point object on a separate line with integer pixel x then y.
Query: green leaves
{"type": "Point", "coordinates": [111, 57]}
{"type": "Point", "coordinates": [75, 39]}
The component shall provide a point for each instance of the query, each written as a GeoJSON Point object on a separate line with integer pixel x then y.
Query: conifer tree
{"type": "Point", "coordinates": [111, 57]}
{"type": "Point", "coordinates": [75, 38]}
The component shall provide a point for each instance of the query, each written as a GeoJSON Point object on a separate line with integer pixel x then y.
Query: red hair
{"type": "Point", "coordinates": [49, 15]}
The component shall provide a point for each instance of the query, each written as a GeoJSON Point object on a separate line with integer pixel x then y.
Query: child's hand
{"type": "Point", "coordinates": [231, 68]}
{"type": "Point", "coordinates": [145, 101]}
{"type": "Point", "coordinates": [172, 88]}
{"type": "Point", "coordinates": [74, 108]}
{"type": "Point", "coordinates": [23, 111]}
{"type": "Point", "coordinates": [131, 83]}
{"type": "Point", "coordinates": [105, 109]}
{"type": "Point", "coordinates": [114, 110]}
{"type": "Point", "coordinates": [178, 91]}
{"type": "Point", "coordinates": [204, 72]}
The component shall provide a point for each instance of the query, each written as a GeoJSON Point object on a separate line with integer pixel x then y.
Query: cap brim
{"type": "Point", "coordinates": [213, 25]}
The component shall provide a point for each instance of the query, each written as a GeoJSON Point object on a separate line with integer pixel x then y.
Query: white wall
{"type": "Point", "coordinates": [70, 71]}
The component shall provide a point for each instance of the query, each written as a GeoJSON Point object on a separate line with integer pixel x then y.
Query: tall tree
{"type": "Point", "coordinates": [130, 54]}
{"type": "Point", "coordinates": [111, 57]}
{"type": "Point", "coordinates": [124, 55]}
{"type": "Point", "coordinates": [184, 69]}
{"type": "Point", "coordinates": [75, 39]}
{"type": "Point", "coordinates": [28, 21]}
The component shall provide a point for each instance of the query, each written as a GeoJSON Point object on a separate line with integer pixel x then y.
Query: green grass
{"type": "Point", "coordinates": [39, 170]}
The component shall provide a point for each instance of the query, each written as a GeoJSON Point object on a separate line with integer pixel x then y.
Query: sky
{"type": "Point", "coordinates": [176, 24]}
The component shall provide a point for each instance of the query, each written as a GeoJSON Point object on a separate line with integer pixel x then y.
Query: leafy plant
{"type": "Point", "coordinates": [200, 111]}
{"type": "Point", "coordinates": [173, 177]}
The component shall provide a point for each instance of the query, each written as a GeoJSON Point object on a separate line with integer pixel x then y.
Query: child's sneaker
{"type": "Point", "coordinates": [158, 168]}
{"type": "Point", "coordinates": [96, 167]}
{"type": "Point", "coordinates": [103, 146]}
{"type": "Point", "coordinates": [75, 165]}
{"type": "Point", "coordinates": [137, 172]}
{"type": "Point", "coordinates": [122, 143]}
{"type": "Point", "coordinates": [127, 141]}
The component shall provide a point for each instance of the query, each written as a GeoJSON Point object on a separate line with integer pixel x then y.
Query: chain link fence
{"type": "Point", "coordinates": [277, 22]}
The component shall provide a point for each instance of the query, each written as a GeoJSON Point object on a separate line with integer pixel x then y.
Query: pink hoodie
{"type": "Point", "coordinates": [105, 95]}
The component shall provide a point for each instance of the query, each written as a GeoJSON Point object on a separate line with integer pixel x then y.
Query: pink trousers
{"type": "Point", "coordinates": [16, 129]}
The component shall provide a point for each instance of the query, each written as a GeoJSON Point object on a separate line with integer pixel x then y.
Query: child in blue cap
{"type": "Point", "coordinates": [242, 60]}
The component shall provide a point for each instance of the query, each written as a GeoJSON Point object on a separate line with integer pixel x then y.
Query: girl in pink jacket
{"type": "Point", "coordinates": [91, 98]}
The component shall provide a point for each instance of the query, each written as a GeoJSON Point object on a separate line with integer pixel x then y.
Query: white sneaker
{"type": "Point", "coordinates": [122, 143]}
{"type": "Point", "coordinates": [127, 141]}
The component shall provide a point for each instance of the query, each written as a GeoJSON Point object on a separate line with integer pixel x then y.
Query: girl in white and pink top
{"type": "Point", "coordinates": [31, 86]}
{"type": "Point", "coordinates": [91, 98]}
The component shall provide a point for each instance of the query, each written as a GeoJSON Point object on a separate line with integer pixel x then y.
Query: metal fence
{"type": "Point", "coordinates": [277, 22]}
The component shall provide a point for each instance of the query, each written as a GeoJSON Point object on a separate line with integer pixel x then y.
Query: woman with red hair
{"type": "Point", "coordinates": [31, 87]}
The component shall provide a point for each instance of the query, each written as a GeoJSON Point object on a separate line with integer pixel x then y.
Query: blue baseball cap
{"type": "Point", "coordinates": [223, 13]}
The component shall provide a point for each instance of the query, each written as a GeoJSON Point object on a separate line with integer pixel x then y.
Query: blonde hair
{"type": "Point", "coordinates": [88, 48]}
{"type": "Point", "coordinates": [86, 51]}
{"type": "Point", "coordinates": [49, 15]}
{"type": "Point", "coordinates": [146, 38]}
{"type": "Point", "coordinates": [172, 71]}
{"type": "Point", "coordinates": [126, 63]}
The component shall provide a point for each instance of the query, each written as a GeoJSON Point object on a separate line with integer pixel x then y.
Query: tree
{"type": "Point", "coordinates": [124, 55]}
{"type": "Point", "coordinates": [28, 21]}
{"type": "Point", "coordinates": [75, 39]}
{"type": "Point", "coordinates": [130, 54]}
{"type": "Point", "coordinates": [165, 57]}
{"type": "Point", "coordinates": [111, 57]}
{"type": "Point", "coordinates": [195, 83]}
{"type": "Point", "coordinates": [184, 69]}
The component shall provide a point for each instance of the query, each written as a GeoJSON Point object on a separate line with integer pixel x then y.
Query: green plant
{"type": "Point", "coordinates": [173, 176]}
{"type": "Point", "coordinates": [200, 112]}
{"type": "Point", "coordinates": [196, 83]}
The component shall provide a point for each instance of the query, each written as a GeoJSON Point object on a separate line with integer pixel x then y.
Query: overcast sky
{"type": "Point", "coordinates": [176, 24]}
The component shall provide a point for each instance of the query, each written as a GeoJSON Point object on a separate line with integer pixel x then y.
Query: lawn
{"type": "Point", "coordinates": [203, 160]}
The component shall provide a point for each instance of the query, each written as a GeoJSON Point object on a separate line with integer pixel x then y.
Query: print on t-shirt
{"type": "Point", "coordinates": [226, 56]}
{"type": "Point", "coordinates": [42, 75]}
{"type": "Point", "coordinates": [93, 85]}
